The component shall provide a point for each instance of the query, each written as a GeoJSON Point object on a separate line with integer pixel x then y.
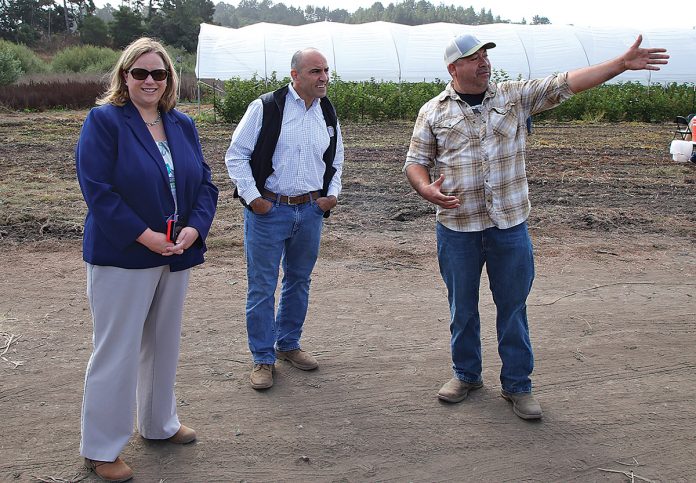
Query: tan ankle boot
{"type": "Point", "coordinates": [185, 435]}
{"type": "Point", "coordinates": [299, 358]}
{"type": "Point", "coordinates": [262, 376]}
{"type": "Point", "coordinates": [112, 471]}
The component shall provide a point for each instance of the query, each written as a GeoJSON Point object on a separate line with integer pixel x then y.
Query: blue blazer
{"type": "Point", "coordinates": [125, 184]}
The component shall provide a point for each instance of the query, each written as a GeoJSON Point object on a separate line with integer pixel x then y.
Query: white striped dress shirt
{"type": "Point", "coordinates": [297, 161]}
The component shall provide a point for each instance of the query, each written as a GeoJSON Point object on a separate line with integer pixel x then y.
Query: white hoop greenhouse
{"type": "Point", "coordinates": [393, 52]}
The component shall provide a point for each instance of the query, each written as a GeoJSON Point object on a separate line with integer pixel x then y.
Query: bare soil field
{"type": "Point", "coordinates": [612, 316]}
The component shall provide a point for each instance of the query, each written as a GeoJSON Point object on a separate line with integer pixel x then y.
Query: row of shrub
{"type": "Point", "coordinates": [629, 101]}
{"type": "Point", "coordinates": [362, 100]}
{"type": "Point", "coordinates": [18, 60]}
{"type": "Point", "coordinates": [70, 91]}
{"type": "Point", "coordinates": [353, 100]}
{"type": "Point", "coordinates": [372, 100]}
{"type": "Point", "coordinates": [59, 92]}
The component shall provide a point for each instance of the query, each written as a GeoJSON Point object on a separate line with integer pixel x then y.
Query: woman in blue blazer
{"type": "Point", "coordinates": [150, 203]}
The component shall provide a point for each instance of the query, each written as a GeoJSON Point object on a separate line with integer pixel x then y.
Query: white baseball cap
{"type": "Point", "coordinates": [464, 46]}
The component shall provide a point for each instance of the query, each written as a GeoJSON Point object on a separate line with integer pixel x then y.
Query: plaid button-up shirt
{"type": "Point", "coordinates": [482, 154]}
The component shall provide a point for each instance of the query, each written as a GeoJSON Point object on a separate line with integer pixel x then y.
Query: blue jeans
{"type": "Point", "coordinates": [509, 262]}
{"type": "Point", "coordinates": [289, 234]}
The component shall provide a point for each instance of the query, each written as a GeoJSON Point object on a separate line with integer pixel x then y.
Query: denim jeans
{"type": "Point", "coordinates": [287, 234]}
{"type": "Point", "coordinates": [509, 262]}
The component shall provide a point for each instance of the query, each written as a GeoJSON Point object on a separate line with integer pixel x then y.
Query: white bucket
{"type": "Point", "coordinates": [681, 150]}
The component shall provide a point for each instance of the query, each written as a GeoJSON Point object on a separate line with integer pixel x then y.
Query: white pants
{"type": "Point", "coordinates": [137, 329]}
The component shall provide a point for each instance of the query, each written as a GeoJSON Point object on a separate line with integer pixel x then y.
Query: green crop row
{"type": "Point", "coordinates": [373, 100]}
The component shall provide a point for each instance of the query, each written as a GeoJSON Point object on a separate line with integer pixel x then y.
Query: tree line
{"type": "Point", "coordinates": [37, 23]}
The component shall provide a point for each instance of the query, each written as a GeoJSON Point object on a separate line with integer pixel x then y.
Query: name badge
{"type": "Point", "coordinates": [331, 131]}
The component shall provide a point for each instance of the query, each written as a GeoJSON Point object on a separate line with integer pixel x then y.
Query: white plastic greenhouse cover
{"type": "Point", "coordinates": [393, 52]}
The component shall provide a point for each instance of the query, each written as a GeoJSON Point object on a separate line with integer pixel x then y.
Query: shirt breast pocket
{"type": "Point", "coordinates": [451, 133]}
{"type": "Point", "coordinates": [503, 121]}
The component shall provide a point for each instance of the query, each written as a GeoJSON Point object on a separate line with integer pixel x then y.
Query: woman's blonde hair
{"type": "Point", "coordinates": [117, 94]}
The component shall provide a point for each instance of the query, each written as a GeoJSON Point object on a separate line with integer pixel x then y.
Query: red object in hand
{"type": "Point", "coordinates": [171, 231]}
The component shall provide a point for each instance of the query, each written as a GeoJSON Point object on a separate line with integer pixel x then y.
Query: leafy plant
{"type": "Point", "coordinates": [628, 101]}
{"type": "Point", "coordinates": [10, 67]}
{"type": "Point", "coordinates": [240, 92]}
{"type": "Point", "coordinates": [86, 58]}
{"type": "Point", "coordinates": [29, 61]}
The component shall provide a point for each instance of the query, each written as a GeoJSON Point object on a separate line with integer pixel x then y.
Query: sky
{"type": "Point", "coordinates": [583, 13]}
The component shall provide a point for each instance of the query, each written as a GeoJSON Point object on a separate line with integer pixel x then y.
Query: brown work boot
{"type": "Point", "coordinates": [262, 376]}
{"type": "Point", "coordinates": [523, 404]}
{"type": "Point", "coordinates": [456, 390]}
{"type": "Point", "coordinates": [112, 471]}
{"type": "Point", "coordinates": [185, 435]}
{"type": "Point", "coordinates": [298, 358]}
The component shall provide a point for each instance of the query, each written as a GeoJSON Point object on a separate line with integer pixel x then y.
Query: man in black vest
{"type": "Point", "coordinates": [285, 159]}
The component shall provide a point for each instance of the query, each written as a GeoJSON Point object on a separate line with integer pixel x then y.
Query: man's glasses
{"type": "Point", "coordinates": [141, 74]}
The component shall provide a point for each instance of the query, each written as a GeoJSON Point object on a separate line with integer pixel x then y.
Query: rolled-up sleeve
{"type": "Point", "coordinates": [539, 95]}
{"type": "Point", "coordinates": [423, 147]}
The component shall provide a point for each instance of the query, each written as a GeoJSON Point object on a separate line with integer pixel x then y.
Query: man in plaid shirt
{"type": "Point", "coordinates": [472, 138]}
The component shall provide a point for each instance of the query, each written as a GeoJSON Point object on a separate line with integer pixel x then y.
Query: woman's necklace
{"type": "Point", "coordinates": [155, 122]}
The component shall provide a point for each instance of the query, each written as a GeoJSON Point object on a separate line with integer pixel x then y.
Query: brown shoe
{"type": "Point", "coordinates": [112, 471]}
{"type": "Point", "coordinates": [456, 390]}
{"type": "Point", "coordinates": [298, 358]}
{"type": "Point", "coordinates": [185, 435]}
{"type": "Point", "coordinates": [523, 404]}
{"type": "Point", "coordinates": [262, 376]}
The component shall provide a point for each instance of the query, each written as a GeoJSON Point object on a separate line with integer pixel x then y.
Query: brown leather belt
{"type": "Point", "coordinates": [292, 200]}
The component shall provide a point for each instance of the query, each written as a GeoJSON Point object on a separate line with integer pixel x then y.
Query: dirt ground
{"type": "Point", "coordinates": [612, 316]}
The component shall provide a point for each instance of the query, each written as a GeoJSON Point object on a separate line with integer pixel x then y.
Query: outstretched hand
{"type": "Point", "coordinates": [634, 58]}
{"type": "Point", "coordinates": [649, 59]}
{"type": "Point", "coordinates": [433, 193]}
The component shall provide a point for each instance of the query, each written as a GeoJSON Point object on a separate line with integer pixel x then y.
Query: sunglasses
{"type": "Point", "coordinates": [141, 74]}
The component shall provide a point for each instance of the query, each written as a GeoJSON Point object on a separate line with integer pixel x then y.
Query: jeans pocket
{"type": "Point", "coordinates": [271, 209]}
{"type": "Point", "coordinates": [318, 209]}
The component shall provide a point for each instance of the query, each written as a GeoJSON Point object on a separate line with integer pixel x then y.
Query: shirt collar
{"type": "Point", "coordinates": [296, 97]}
{"type": "Point", "coordinates": [451, 93]}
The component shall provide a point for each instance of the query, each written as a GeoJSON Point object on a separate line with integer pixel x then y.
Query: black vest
{"type": "Point", "coordinates": [262, 157]}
